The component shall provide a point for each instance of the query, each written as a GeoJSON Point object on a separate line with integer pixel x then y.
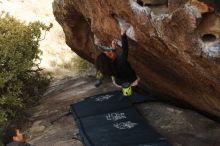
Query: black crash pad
{"type": "Point", "coordinates": [99, 104]}
{"type": "Point", "coordinates": [139, 98]}
{"type": "Point", "coordinates": [120, 128]}
{"type": "Point", "coordinates": [134, 98]}
{"type": "Point", "coordinates": [109, 119]}
{"type": "Point", "coordinates": [106, 102]}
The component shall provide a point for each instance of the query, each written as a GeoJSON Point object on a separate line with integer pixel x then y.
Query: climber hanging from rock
{"type": "Point", "coordinates": [109, 63]}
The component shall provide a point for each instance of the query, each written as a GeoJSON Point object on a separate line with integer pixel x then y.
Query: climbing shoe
{"type": "Point", "coordinates": [98, 83]}
{"type": "Point", "coordinates": [126, 89]}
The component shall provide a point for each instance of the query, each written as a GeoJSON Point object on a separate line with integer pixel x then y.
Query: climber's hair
{"type": "Point", "coordinates": [104, 65]}
{"type": "Point", "coordinates": [7, 135]}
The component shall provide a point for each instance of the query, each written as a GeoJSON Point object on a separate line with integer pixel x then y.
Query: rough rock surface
{"type": "Point", "coordinates": [174, 44]}
{"type": "Point", "coordinates": [181, 127]}
{"type": "Point", "coordinates": [55, 103]}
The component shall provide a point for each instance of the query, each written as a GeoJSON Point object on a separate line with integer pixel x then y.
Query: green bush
{"type": "Point", "coordinates": [21, 82]}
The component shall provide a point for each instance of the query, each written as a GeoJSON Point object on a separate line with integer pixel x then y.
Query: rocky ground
{"type": "Point", "coordinates": [181, 127]}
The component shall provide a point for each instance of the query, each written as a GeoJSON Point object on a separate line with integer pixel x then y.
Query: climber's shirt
{"type": "Point", "coordinates": [123, 70]}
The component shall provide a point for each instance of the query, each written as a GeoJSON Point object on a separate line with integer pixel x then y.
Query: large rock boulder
{"type": "Point", "coordinates": [174, 44]}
